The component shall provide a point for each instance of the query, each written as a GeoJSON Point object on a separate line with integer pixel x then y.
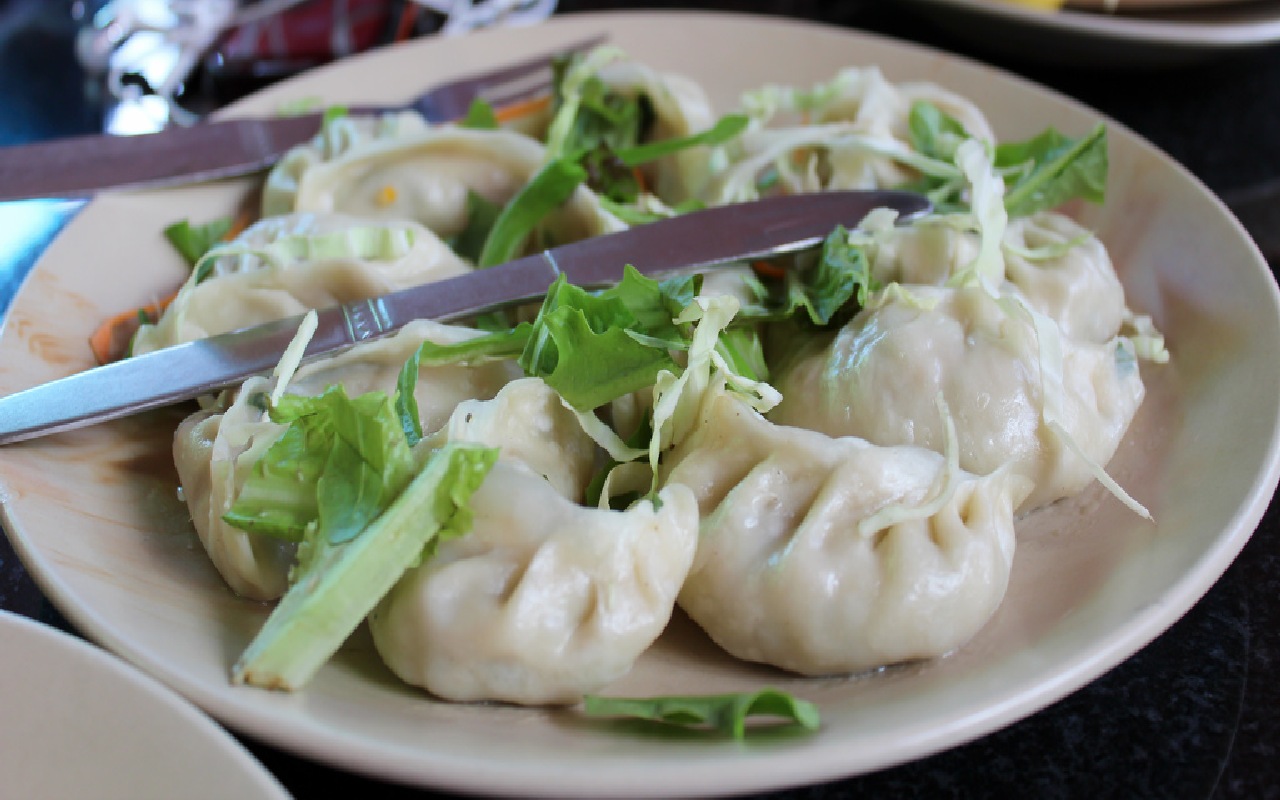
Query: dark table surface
{"type": "Point", "coordinates": [1195, 714]}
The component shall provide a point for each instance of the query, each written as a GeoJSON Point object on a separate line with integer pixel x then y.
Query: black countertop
{"type": "Point", "coordinates": [1192, 715]}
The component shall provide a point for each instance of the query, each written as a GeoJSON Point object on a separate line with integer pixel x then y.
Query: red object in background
{"type": "Point", "coordinates": [318, 30]}
{"type": "Point", "coordinates": [309, 34]}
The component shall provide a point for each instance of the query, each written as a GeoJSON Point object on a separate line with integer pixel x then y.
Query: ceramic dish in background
{"type": "Point", "coordinates": [1088, 39]}
{"type": "Point", "coordinates": [80, 722]}
{"type": "Point", "coordinates": [95, 517]}
{"type": "Point", "coordinates": [1131, 6]}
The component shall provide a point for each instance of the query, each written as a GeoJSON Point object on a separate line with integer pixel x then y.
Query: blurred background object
{"type": "Point", "coordinates": [153, 63]}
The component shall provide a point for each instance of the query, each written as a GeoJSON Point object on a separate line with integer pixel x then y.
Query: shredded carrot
{"type": "Point", "coordinates": [768, 270]}
{"type": "Point", "coordinates": [110, 340]}
{"type": "Point", "coordinates": [642, 185]}
{"type": "Point", "coordinates": [522, 108]}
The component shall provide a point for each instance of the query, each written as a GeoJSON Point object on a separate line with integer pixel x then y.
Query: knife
{"type": "Point", "coordinates": [688, 243]}
{"type": "Point", "coordinates": [80, 166]}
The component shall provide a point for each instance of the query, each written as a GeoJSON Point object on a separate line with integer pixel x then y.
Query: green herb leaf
{"type": "Point", "coordinates": [633, 215]}
{"type": "Point", "coordinates": [1052, 168]}
{"type": "Point", "coordinates": [726, 713]}
{"type": "Point", "coordinates": [933, 132]}
{"type": "Point", "coordinates": [593, 348]}
{"type": "Point", "coordinates": [339, 584]}
{"type": "Point", "coordinates": [725, 129]}
{"type": "Point", "coordinates": [482, 215]}
{"type": "Point", "coordinates": [193, 241]}
{"type": "Point", "coordinates": [480, 116]}
{"type": "Point", "coordinates": [554, 184]}
{"type": "Point", "coordinates": [842, 274]}
{"type": "Point", "coordinates": [335, 469]}
{"type": "Point", "coordinates": [333, 113]}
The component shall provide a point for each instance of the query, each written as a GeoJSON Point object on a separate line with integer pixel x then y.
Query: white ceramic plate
{"type": "Point", "coordinates": [1091, 39]}
{"type": "Point", "coordinates": [95, 517]}
{"type": "Point", "coordinates": [80, 722]}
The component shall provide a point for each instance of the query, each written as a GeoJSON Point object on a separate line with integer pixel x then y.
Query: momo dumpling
{"type": "Point", "coordinates": [260, 279]}
{"type": "Point", "coordinates": [1058, 267]}
{"type": "Point", "coordinates": [543, 600]}
{"type": "Point", "coordinates": [837, 135]}
{"type": "Point", "coordinates": [827, 556]}
{"type": "Point", "coordinates": [876, 106]}
{"type": "Point", "coordinates": [214, 452]}
{"type": "Point", "coordinates": [428, 177]}
{"type": "Point", "coordinates": [1074, 283]}
{"type": "Point", "coordinates": [336, 138]}
{"type": "Point", "coordinates": [878, 378]}
{"type": "Point", "coordinates": [375, 365]}
{"type": "Point", "coordinates": [531, 425]}
{"type": "Point", "coordinates": [680, 108]}
{"type": "Point", "coordinates": [214, 449]}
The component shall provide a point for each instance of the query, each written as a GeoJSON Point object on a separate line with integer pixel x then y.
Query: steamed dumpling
{"type": "Point", "coordinates": [826, 556]}
{"type": "Point", "coordinates": [533, 427]}
{"type": "Point", "coordinates": [1077, 287]}
{"type": "Point", "coordinates": [878, 377]}
{"type": "Point", "coordinates": [214, 453]}
{"type": "Point", "coordinates": [427, 178]}
{"type": "Point", "coordinates": [680, 108]}
{"type": "Point", "coordinates": [248, 289]}
{"type": "Point", "coordinates": [543, 600]}
{"type": "Point", "coordinates": [832, 137]}
{"type": "Point", "coordinates": [1058, 267]}
{"type": "Point", "coordinates": [215, 449]}
{"type": "Point", "coordinates": [335, 139]}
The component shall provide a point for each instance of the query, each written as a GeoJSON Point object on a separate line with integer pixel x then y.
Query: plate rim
{"type": "Point", "coordinates": [1175, 34]}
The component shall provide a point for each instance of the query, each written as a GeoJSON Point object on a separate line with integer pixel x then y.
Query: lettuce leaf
{"type": "Point", "coordinates": [193, 241]}
{"type": "Point", "coordinates": [340, 583]}
{"type": "Point", "coordinates": [337, 466]}
{"type": "Point", "coordinates": [554, 184]}
{"type": "Point", "coordinates": [726, 714]}
{"type": "Point", "coordinates": [595, 347]}
{"type": "Point", "coordinates": [480, 116]}
{"type": "Point", "coordinates": [1052, 168]}
{"type": "Point", "coordinates": [1042, 172]}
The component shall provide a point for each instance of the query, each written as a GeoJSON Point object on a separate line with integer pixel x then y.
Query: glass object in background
{"type": "Point", "coordinates": [162, 62]}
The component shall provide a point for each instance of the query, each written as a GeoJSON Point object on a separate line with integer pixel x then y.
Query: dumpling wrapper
{"type": "Point", "coordinates": [215, 449]}
{"type": "Point", "coordinates": [786, 575]}
{"type": "Point", "coordinates": [336, 138]}
{"type": "Point", "coordinates": [879, 376]}
{"type": "Point", "coordinates": [543, 600]}
{"type": "Point", "coordinates": [427, 177]}
{"type": "Point", "coordinates": [1071, 278]}
{"type": "Point", "coordinates": [244, 290]}
{"type": "Point", "coordinates": [680, 108]}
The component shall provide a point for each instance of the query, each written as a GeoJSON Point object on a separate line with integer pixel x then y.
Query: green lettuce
{"type": "Point", "coordinates": [726, 714]}
{"type": "Point", "coordinates": [193, 241]}
{"type": "Point", "coordinates": [338, 584]}
{"type": "Point", "coordinates": [1051, 168]}
{"type": "Point", "coordinates": [334, 470]}
{"type": "Point", "coordinates": [595, 347]}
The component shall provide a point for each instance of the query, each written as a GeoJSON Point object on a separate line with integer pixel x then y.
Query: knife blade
{"type": "Point", "coordinates": [80, 166]}
{"type": "Point", "coordinates": [683, 244]}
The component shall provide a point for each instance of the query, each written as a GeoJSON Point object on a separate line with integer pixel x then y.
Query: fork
{"type": "Point", "coordinates": [81, 166]}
